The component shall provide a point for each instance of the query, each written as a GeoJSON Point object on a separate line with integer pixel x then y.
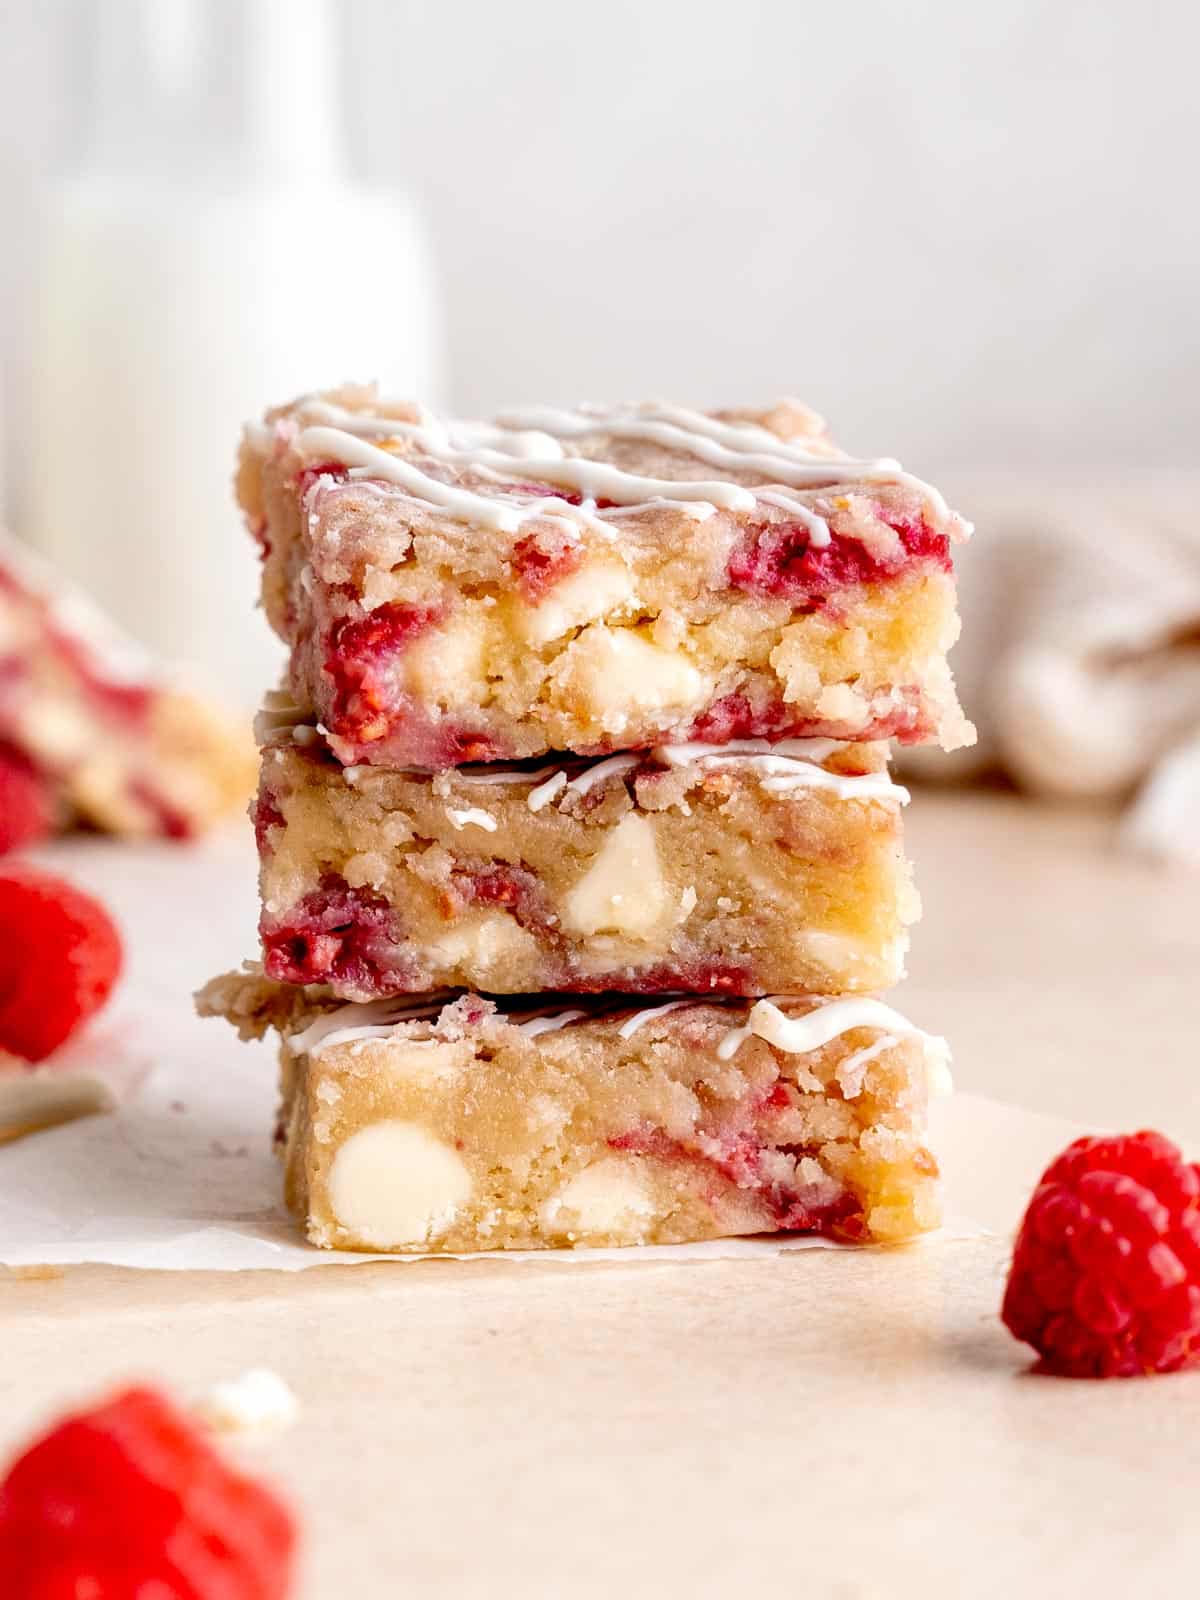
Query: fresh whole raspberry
{"type": "Point", "coordinates": [26, 810]}
{"type": "Point", "coordinates": [60, 955]}
{"type": "Point", "coordinates": [130, 1500]}
{"type": "Point", "coordinates": [1105, 1278]}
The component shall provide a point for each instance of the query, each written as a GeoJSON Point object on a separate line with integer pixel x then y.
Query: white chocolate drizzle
{"type": "Point", "coordinates": [680, 755]}
{"type": "Point", "coordinates": [472, 818]}
{"type": "Point", "coordinates": [801, 1035]}
{"type": "Point", "coordinates": [534, 1027]}
{"type": "Point", "coordinates": [545, 792]}
{"type": "Point", "coordinates": [528, 444]}
{"type": "Point", "coordinates": [782, 766]}
{"type": "Point", "coordinates": [490, 774]}
{"type": "Point", "coordinates": [362, 1022]}
{"type": "Point", "coordinates": [610, 767]}
{"type": "Point", "coordinates": [788, 764]}
{"type": "Point", "coordinates": [632, 1024]}
{"type": "Point", "coordinates": [365, 1019]}
{"type": "Point", "coordinates": [747, 447]}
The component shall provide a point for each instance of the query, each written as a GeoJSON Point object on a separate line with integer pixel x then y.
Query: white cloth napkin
{"type": "Point", "coordinates": [1080, 655]}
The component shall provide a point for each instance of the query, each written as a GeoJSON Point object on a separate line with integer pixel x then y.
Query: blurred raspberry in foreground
{"type": "Point", "coordinates": [130, 1500]}
{"type": "Point", "coordinates": [1105, 1277]}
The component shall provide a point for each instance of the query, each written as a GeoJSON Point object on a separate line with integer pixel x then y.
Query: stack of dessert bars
{"type": "Point", "coordinates": [581, 862]}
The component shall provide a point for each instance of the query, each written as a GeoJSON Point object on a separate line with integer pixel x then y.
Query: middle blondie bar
{"type": "Point", "coordinates": [740, 869]}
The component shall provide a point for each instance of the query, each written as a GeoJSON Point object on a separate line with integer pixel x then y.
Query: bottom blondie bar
{"type": "Point", "coordinates": [464, 1123]}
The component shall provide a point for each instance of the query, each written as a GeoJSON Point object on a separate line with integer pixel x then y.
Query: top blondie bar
{"type": "Point", "coordinates": [596, 579]}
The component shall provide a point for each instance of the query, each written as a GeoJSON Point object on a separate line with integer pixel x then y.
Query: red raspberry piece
{"type": "Point", "coordinates": [60, 955]}
{"type": "Point", "coordinates": [351, 938]}
{"type": "Point", "coordinates": [130, 1499]}
{"type": "Point", "coordinates": [514, 887]}
{"type": "Point", "coordinates": [1105, 1278]}
{"type": "Point", "coordinates": [360, 659]}
{"type": "Point", "coordinates": [557, 492]}
{"type": "Point", "coordinates": [543, 559]}
{"type": "Point", "coordinates": [334, 471]}
{"type": "Point", "coordinates": [26, 809]}
{"type": "Point", "coordinates": [733, 716]}
{"type": "Point", "coordinates": [265, 815]}
{"type": "Point", "coordinates": [780, 561]}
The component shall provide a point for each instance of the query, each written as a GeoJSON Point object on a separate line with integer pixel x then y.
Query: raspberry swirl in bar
{"type": "Point", "coordinates": [596, 580]}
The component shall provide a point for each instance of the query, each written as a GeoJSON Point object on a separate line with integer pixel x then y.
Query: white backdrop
{"type": "Point", "coordinates": [967, 233]}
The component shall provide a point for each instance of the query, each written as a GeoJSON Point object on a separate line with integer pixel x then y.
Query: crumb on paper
{"type": "Point", "coordinates": [256, 1401]}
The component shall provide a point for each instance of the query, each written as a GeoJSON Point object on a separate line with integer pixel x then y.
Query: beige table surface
{"type": "Point", "coordinates": [850, 1424]}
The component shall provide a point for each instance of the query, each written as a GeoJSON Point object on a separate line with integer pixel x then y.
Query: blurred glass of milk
{"type": "Point", "coordinates": [210, 257]}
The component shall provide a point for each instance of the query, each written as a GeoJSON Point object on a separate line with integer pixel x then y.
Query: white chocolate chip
{"type": "Point", "coordinates": [613, 674]}
{"type": "Point", "coordinates": [485, 940]}
{"type": "Point", "coordinates": [612, 1196]}
{"type": "Point", "coordinates": [841, 702]}
{"type": "Point", "coordinates": [854, 955]}
{"type": "Point", "coordinates": [393, 1183]}
{"type": "Point", "coordinates": [623, 890]}
{"type": "Point", "coordinates": [446, 664]}
{"type": "Point", "coordinates": [594, 591]}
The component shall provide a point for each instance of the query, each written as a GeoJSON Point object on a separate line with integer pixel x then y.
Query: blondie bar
{"type": "Point", "coordinates": [463, 1123]}
{"type": "Point", "coordinates": [85, 714]}
{"type": "Point", "coordinates": [596, 580]}
{"type": "Point", "coordinates": [746, 868]}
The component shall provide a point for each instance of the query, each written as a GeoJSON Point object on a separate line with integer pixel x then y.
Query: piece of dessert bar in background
{"type": "Point", "coordinates": [596, 580]}
{"type": "Point", "coordinates": [739, 869]}
{"type": "Point", "coordinates": [88, 718]}
{"type": "Point", "coordinates": [454, 1123]}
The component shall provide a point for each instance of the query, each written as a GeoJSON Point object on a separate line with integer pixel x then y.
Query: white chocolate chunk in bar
{"type": "Point", "coordinates": [613, 1195]}
{"type": "Point", "coordinates": [599, 589]}
{"type": "Point", "coordinates": [393, 1184]}
{"type": "Point", "coordinates": [615, 674]}
{"type": "Point", "coordinates": [486, 941]}
{"type": "Point", "coordinates": [448, 663]}
{"type": "Point", "coordinates": [623, 890]}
